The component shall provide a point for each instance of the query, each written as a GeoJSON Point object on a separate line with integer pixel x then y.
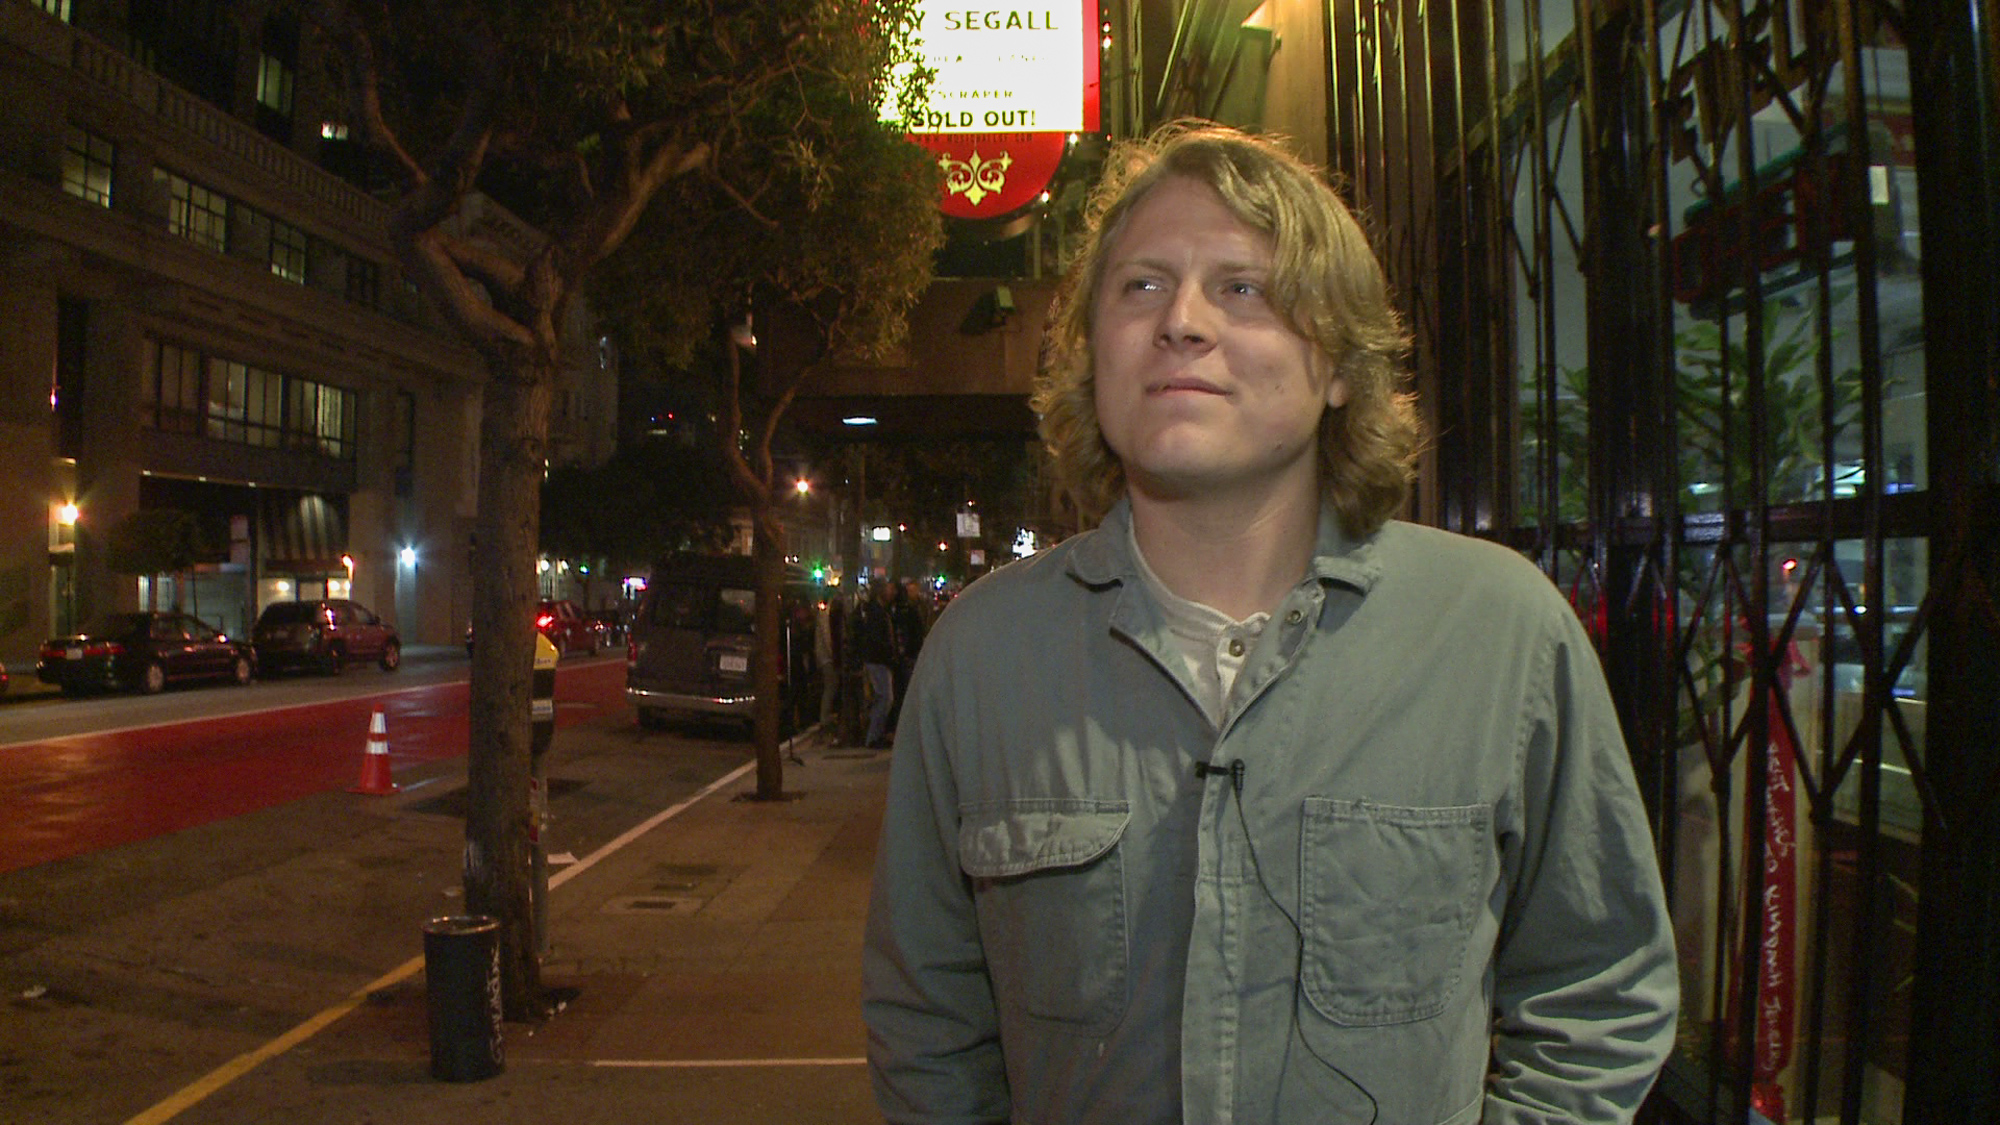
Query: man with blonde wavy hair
{"type": "Point", "coordinates": [1252, 803]}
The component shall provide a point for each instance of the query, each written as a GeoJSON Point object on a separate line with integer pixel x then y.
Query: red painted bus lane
{"type": "Point", "coordinates": [82, 793]}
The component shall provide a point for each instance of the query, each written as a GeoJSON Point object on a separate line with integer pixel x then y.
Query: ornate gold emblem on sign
{"type": "Point", "coordinates": [975, 178]}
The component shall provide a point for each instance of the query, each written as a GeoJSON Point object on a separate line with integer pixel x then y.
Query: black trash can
{"type": "Point", "coordinates": [462, 976]}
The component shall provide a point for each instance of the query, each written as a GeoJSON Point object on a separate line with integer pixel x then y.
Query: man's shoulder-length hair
{"type": "Point", "coordinates": [1325, 281]}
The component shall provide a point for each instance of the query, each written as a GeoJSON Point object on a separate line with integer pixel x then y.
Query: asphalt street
{"type": "Point", "coordinates": [139, 978]}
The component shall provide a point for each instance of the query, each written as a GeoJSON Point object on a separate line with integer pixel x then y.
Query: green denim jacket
{"type": "Point", "coordinates": [1410, 882]}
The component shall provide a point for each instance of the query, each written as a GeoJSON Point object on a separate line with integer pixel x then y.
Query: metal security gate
{"type": "Point", "coordinates": [1703, 299]}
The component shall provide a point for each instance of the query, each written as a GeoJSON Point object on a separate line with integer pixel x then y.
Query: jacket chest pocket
{"type": "Point", "coordinates": [1049, 884]}
{"type": "Point", "coordinates": [1387, 906]}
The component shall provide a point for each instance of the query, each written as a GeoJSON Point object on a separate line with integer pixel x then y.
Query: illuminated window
{"type": "Point", "coordinates": [176, 387]}
{"type": "Point", "coordinates": [194, 212]}
{"type": "Point", "coordinates": [234, 402]}
{"type": "Point", "coordinates": [288, 251]}
{"type": "Point", "coordinates": [228, 384]}
{"type": "Point", "coordinates": [57, 8]}
{"type": "Point", "coordinates": [274, 85]}
{"type": "Point", "coordinates": [86, 166]}
{"type": "Point", "coordinates": [320, 419]}
{"type": "Point", "coordinates": [264, 409]}
{"type": "Point", "coordinates": [277, 66]}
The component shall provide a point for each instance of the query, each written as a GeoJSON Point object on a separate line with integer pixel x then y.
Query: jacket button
{"type": "Point", "coordinates": [1295, 616]}
{"type": "Point", "coordinates": [1236, 646]}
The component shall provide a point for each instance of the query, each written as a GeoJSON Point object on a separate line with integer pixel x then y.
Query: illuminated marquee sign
{"type": "Point", "coordinates": [1012, 85]}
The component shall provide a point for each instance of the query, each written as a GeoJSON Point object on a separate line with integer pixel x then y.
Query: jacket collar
{"type": "Point", "coordinates": [1103, 557]}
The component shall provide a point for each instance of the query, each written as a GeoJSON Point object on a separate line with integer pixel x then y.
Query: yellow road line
{"type": "Point", "coordinates": [186, 1097]}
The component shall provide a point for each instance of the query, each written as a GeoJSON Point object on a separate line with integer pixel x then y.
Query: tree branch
{"type": "Point", "coordinates": [452, 173]}
{"type": "Point", "coordinates": [495, 271]}
{"type": "Point", "coordinates": [647, 158]}
{"type": "Point", "coordinates": [364, 87]}
{"type": "Point", "coordinates": [746, 479]}
{"type": "Point", "coordinates": [430, 262]}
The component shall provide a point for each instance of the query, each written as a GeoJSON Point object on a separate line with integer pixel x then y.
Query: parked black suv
{"type": "Point", "coordinates": [326, 635]}
{"type": "Point", "coordinates": [693, 639]}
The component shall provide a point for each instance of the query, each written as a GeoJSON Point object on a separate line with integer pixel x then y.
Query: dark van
{"type": "Point", "coordinates": [692, 638]}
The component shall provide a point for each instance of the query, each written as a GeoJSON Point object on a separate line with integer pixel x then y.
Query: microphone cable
{"type": "Point", "coordinates": [1235, 771]}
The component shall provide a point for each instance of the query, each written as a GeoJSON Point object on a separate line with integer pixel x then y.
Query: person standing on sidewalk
{"type": "Point", "coordinates": [826, 652]}
{"type": "Point", "coordinates": [909, 615]}
{"type": "Point", "coordinates": [1254, 804]}
{"type": "Point", "coordinates": [875, 633]}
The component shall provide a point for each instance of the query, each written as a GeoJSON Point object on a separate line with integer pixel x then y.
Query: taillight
{"type": "Point", "coordinates": [544, 621]}
{"type": "Point", "coordinates": [104, 648]}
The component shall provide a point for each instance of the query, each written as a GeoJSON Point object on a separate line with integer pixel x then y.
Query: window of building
{"type": "Point", "coordinates": [274, 99]}
{"type": "Point", "coordinates": [364, 282]}
{"type": "Point", "coordinates": [321, 418]}
{"type": "Point", "coordinates": [176, 387]}
{"type": "Point", "coordinates": [236, 402]}
{"type": "Point", "coordinates": [86, 165]}
{"type": "Point", "coordinates": [277, 64]}
{"type": "Point", "coordinates": [288, 251]}
{"type": "Point", "coordinates": [245, 404]}
{"type": "Point", "coordinates": [193, 43]}
{"type": "Point", "coordinates": [194, 212]}
{"type": "Point", "coordinates": [228, 383]}
{"type": "Point", "coordinates": [264, 409]}
{"type": "Point", "coordinates": [57, 8]}
{"type": "Point", "coordinates": [274, 85]}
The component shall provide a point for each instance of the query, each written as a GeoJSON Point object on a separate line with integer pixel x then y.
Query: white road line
{"type": "Point", "coordinates": [645, 826]}
{"type": "Point", "coordinates": [193, 1093]}
{"type": "Point", "coordinates": [697, 1064]}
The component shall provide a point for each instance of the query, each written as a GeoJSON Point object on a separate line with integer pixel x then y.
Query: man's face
{"type": "Point", "coordinates": [1202, 389]}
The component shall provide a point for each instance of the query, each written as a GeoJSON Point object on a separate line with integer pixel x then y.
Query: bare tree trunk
{"type": "Point", "coordinates": [498, 858]}
{"type": "Point", "coordinates": [768, 552]}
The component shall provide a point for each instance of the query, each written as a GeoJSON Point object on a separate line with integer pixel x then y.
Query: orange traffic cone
{"type": "Point", "coordinates": [375, 762]}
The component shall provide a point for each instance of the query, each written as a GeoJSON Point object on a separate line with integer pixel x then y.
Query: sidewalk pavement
{"type": "Point", "coordinates": [715, 956]}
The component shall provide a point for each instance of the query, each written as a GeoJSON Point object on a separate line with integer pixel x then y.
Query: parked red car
{"type": "Point", "coordinates": [567, 628]}
{"type": "Point", "coordinates": [327, 634]}
{"type": "Point", "coordinates": [564, 625]}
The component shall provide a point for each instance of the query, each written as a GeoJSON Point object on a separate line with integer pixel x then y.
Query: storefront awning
{"type": "Point", "coordinates": [301, 533]}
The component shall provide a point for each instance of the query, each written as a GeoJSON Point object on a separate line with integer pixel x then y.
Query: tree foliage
{"type": "Point", "coordinates": [650, 499]}
{"type": "Point", "coordinates": [157, 541]}
{"type": "Point", "coordinates": [578, 114]}
{"type": "Point", "coordinates": [822, 252]}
